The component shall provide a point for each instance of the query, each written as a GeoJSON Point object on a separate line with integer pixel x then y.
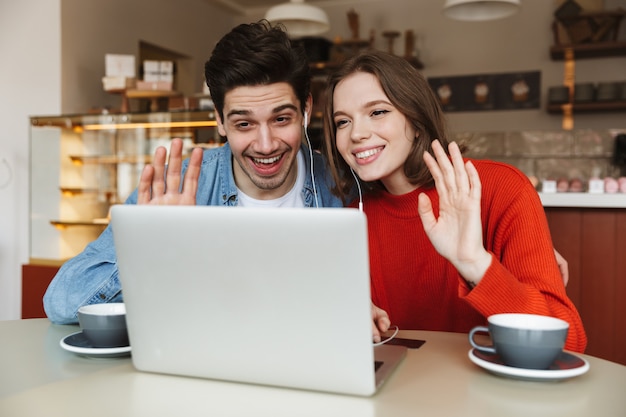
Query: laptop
{"type": "Point", "coordinates": [271, 296]}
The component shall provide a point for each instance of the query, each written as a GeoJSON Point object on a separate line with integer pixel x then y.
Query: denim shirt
{"type": "Point", "coordinates": [91, 277]}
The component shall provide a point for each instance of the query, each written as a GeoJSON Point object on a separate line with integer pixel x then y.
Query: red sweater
{"type": "Point", "coordinates": [422, 290]}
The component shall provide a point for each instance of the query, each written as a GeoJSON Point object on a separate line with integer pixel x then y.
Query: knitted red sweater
{"type": "Point", "coordinates": [422, 290]}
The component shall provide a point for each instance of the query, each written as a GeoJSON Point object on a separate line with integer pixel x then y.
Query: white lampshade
{"type": "Point", "coordinates": [299, 19]}
{"type": "Point", "coordinates": [479, 10]}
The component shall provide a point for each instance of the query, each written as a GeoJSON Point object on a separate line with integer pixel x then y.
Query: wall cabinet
{"type": "Point", "coordinates": [589, 35]}
{"type": "Point", "coordinates": [82, 164]}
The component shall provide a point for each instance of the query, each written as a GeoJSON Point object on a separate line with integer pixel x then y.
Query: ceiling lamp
{"type": "Point", "coordinates": [299, 19]}
{"type": "Point", "coordinates": [479, 10]}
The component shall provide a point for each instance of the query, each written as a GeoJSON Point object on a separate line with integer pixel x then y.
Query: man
{"type": "Point", "coordinates": [260, 85]}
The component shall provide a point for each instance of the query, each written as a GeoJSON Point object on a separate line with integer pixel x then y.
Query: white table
{"type": "Point", "coordinates": [38, 378]}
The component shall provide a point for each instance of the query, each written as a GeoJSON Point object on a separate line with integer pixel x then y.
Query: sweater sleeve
{"type": "Point", "coordinates": [523, 276]}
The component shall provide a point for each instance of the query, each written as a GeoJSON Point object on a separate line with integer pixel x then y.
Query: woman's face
{"type": "Point", "coordinates": [373, 137]}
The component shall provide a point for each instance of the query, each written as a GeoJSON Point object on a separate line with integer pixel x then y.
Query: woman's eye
{"type": "Point", "coordinates": [340, 123]}
{"type": "Point", "coordinates": [379, 112]}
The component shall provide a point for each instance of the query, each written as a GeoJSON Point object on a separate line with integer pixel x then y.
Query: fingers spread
{"type": "Point", "coordinates": [474, 180]}
{"type": "Point", "coordinates": [158, 164]}
{"type": "Point", "coordinates": [144, 190]}
{"type": "Point", "coordinates": [174, 165]}
{"type": "Point", "coordinates": [190, 185]}
{"type": "Point", "coordinates": [449, 172]}
{"type": "Point", "coordinates": [460, 175]}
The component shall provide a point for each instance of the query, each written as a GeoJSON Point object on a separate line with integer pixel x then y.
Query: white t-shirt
{"type": "Point", "coordinates": [292, 199]}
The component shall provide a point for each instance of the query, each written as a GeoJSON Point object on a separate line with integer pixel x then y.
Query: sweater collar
{"type": "Point", "coordinates": [402, 206]}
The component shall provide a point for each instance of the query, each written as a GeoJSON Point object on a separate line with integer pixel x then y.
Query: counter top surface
{"type": "Point", "coordinates": [583, 200]}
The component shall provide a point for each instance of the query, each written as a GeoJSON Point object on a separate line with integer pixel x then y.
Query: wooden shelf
{"type": "Point", "coordinates": [590, 50]}
{"type": "Point", "coordinates": [74, 191]}
{"type": "Point", "coordinates": [597, 106]}
{"type": "Point", "coordinates": [110, 159]}
{"type": "Point", "coordinates": [152, 95]}
{"type": "Point", "coordinates": [64, 224]}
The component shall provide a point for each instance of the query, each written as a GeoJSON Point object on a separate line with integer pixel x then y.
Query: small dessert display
{"type": "Point", "coordinates": [444, 92]}
{"type": "Point", "coordinates": [481, 92]}
{"type": "Point", "coordinates": [576, 186]}
{"type": "Point", "coordinates": [611, 185]}
{"type": "Point", "coordinates": [520, 90]}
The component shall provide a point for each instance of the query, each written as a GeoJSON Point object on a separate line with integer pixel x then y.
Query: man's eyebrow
{"type": "Point", "coordinates": [236, 112]}
{"type": "Point", "coordinates": [285, 107]}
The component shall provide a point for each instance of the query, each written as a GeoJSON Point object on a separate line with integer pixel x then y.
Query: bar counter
{"type": "Point", "coordinates": [583, 200]}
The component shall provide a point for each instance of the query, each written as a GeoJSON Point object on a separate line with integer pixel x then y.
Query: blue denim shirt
{"type": "Point", "coordinates": [91, 277]}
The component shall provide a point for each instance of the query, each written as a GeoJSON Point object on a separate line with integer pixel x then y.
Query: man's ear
{"type": "Point", "coordinates": [220, 125]}
{"type": "Point", "coordinates": [308, 106]}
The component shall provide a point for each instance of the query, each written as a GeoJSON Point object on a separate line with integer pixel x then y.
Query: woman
{"type": "Point", "coordinates": [452, 241]}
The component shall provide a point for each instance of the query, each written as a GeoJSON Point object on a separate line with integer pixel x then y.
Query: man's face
{"type": "Point", "coordinates": [263, 125]}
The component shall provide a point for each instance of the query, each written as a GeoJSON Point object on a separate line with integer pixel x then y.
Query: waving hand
{"type": "Point", "coordinates": [160, 184]}
{"type": "Point", "coordinates": [457, 232]}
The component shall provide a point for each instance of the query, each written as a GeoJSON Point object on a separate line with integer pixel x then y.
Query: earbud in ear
{"type": "Point", "coordinates": [306, 119]}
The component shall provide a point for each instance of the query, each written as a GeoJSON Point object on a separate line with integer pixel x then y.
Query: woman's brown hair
{"type": "Point", "coordinates": [410, 93]}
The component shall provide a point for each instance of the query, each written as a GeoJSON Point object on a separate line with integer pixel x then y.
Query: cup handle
{"type": "Point", "coordinates": [482, 348]}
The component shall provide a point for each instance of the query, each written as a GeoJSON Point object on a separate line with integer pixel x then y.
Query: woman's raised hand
{"type": "Point", "coordinates": [457, 232]}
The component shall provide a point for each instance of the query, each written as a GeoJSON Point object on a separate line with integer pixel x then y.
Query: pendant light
{"type": "Point", "coordinates": [299, 19]}
{"type": "Point", "coordinates": [480, 10]}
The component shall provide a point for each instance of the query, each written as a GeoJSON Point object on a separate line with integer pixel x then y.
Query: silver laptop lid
{"type": "Point", "coordinates": [268, 296]}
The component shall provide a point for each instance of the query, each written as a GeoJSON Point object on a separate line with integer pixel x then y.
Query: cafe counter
{"type": "Point", "coordinates": [589, 230]}
{"type": "Point", "coordinates": [583, 200]}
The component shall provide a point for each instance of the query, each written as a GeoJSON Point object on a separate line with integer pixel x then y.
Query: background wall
{"type": "Point", "coordinates": [52, 63]}
{"type": "Point", "coordinates": [93, 28]}
{"type": "Point", "coordinates": [448, 47]}
{"type": "Point", "coordinates": [30, 83]}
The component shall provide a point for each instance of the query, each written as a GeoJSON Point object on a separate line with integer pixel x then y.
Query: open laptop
{"type": "Point", "coordinates": [266, 296]}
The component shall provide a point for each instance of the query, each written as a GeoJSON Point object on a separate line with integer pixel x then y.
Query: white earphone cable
{"type": "Point", "coordinates": [308, 141]}
{"type": "Point", "coordinates": [382, 342]}
{"type": "Point", "coordinates": [358, 186]}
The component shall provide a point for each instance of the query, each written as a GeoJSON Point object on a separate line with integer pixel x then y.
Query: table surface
{"type": "Point", "coordinates": [39, 378]}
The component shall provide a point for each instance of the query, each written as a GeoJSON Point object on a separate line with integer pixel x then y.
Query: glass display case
{"type": "Point", "coordinates": [83, 164]}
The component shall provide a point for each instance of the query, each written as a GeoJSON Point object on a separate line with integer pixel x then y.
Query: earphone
{"type": "Point", "coordinates": [308, 141]}
{"type": "Point", "coordinates": [358, 186]}
{"type": "Point", "coordinates": [356, 179]}
{"type": "Point", "coordinates": [382, 342]}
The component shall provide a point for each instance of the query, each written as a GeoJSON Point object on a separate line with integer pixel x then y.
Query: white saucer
{"type": "Point", "coordinates": [78, 343]}
{"type": "Point", "coordinates": [565, 366]}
